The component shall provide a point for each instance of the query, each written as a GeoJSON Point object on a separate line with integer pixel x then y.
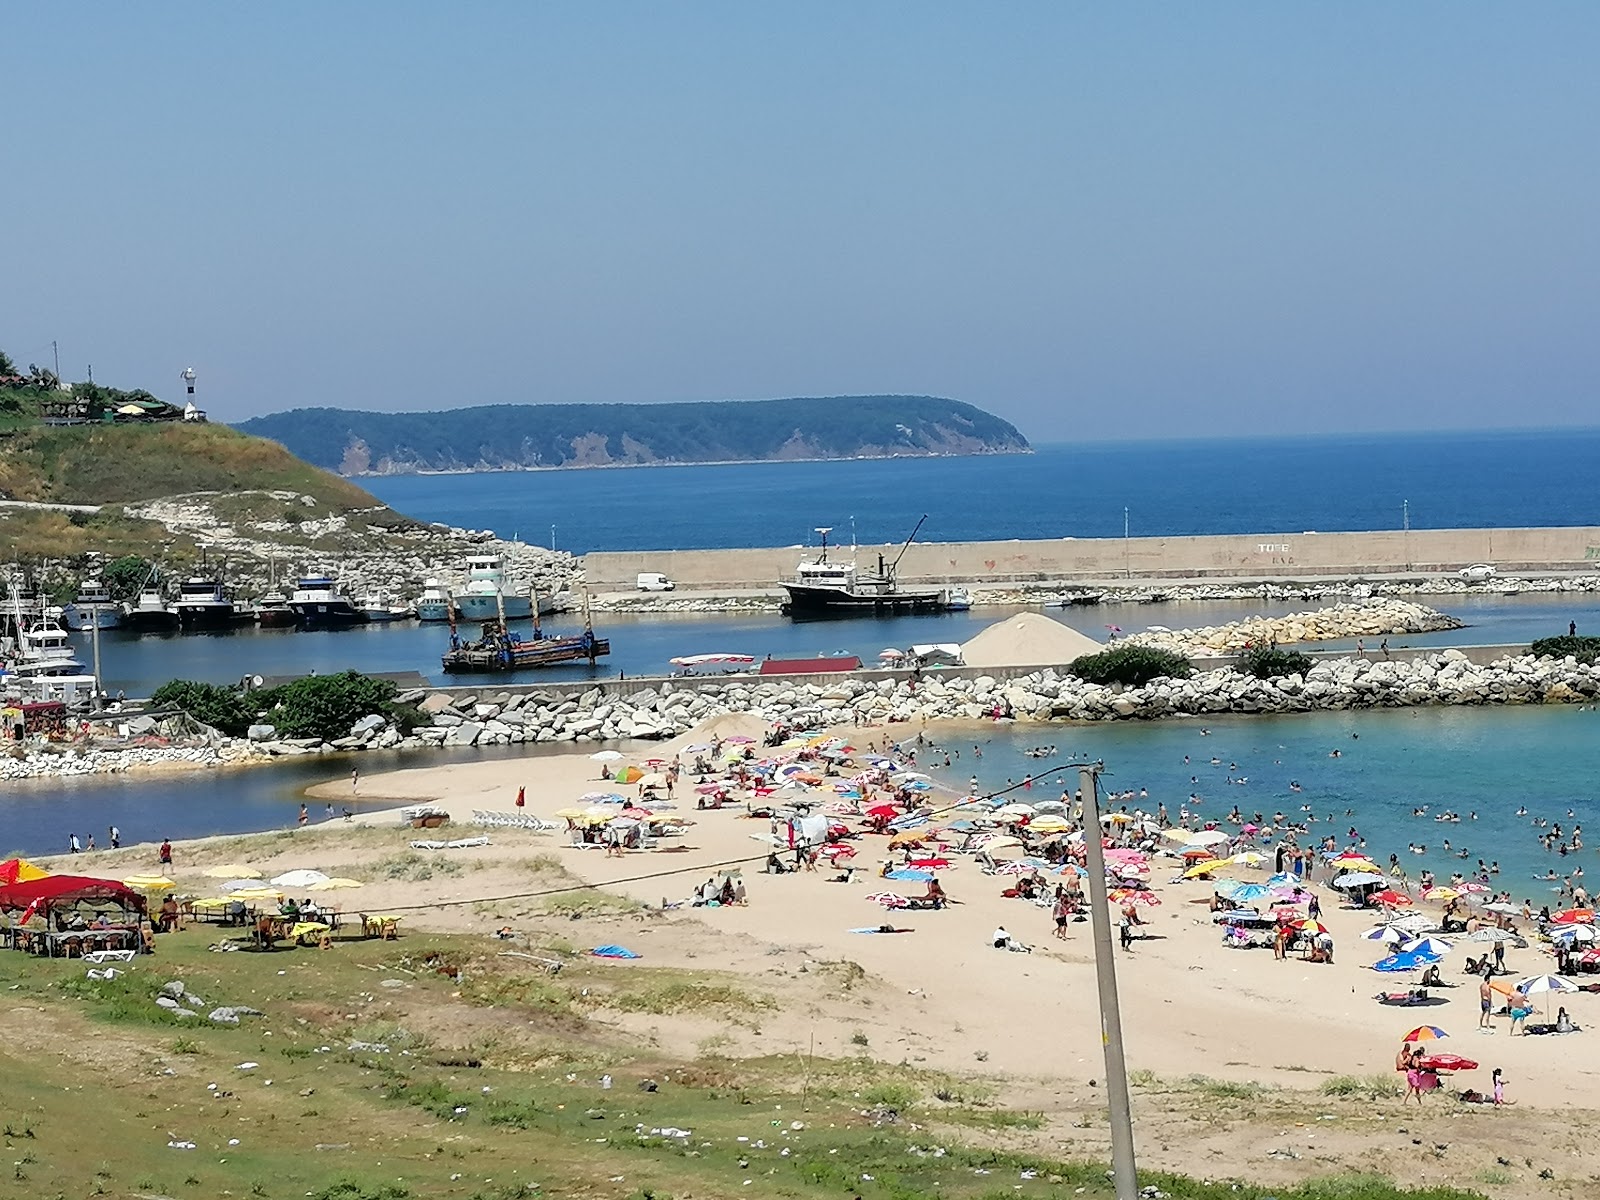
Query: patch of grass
{"type": "Point", "coordinates": [414, 868]}
{"type": "Point", "coordinates": [1360, 1087]}
{"type": "Point", "coordinates": [993, 1118]}
{"type": "Point", "coordinates": [589, 902]}
{"type": "Point", "coordinates": [127, 999]}
{"type": "Point", "coordinates": [1495, 1176]}
{"type": "Point", "coordinates": [662, 994]}
{"type": "Point", "coordinates": [891, 1095]}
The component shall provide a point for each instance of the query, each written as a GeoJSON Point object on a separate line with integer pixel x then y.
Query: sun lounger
{"type": "Point", "coordinates": [105, 956]}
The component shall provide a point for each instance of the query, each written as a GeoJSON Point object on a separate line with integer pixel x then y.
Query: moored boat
{"type": "Point", "coordinates": [823, 588]}
{"type": "Point", "coordinates": [490, 594]}
{"type": "Point", "coordinates": [205, 604]}
{"type": "Point", "coordinates": [93, 608]}
{"type": "Point", "coordinates": [381, 609]}
{"type": "Point", "coordinates": [149, 613]}
{"type": "Point", "coordinates": [434, 604]}
{"type": "Point", "coordinates": [273, 611]}
{"type": "Point", "coordinates": [319, 604]}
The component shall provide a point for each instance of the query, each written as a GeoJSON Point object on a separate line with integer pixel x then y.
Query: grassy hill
{"type": "Point", "coordinates": [110, 464]}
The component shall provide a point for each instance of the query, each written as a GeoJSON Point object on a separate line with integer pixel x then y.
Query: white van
{"type": "Point", "coordinates": [655, 581]}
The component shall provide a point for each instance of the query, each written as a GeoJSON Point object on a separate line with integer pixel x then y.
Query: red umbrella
{"type": "Point", "coordinates": [883, 810]}
{"type": "Point", "coordinates": [1390, 898]}
{"type": "Point", "coordinates": [522, 797]}
{"type": "Point", "coordinates": [1447, 1062]}
{"type": "Point", "coordinates": [1573, 916]}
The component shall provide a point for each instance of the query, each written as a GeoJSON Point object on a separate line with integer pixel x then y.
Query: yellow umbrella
{"type": "Point", "coordinates": [149, 883]}
{"type": "Point", "coordinates": [334, 884]}
{"type": "Point", "coordinates": [1205, 868]}
{"type": "Point", "coordinates": [1049, 824]}
{"type": "Point", "coordinates": [1249, 858]}
{"type": "Point", "coordinates": [572, 813]}
{"type": "Point", "coordinates": [256, 893]}
{"type": "Point", "coordinates": [231, 871]}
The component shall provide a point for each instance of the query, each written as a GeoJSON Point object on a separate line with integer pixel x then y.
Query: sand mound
{"type": "Point", "coordinates": [1027, 640]}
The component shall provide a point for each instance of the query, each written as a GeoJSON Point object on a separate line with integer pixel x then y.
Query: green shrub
{"type": "Point", "coordinates": [1131, 665]}
{"type": "Point", "coordinates": [1269, 662]}
{"type": "Point", "coordinates": [1584, 649]}
{"type": "Point", "coordinates": [219, 707]}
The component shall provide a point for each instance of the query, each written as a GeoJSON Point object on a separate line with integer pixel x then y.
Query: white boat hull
{"type": "Point", "coordinates": [81, 620]}
{"type": "Point", "coordinates": [433, 610]}
{"type": "Point", "coordinates": [487, 608]}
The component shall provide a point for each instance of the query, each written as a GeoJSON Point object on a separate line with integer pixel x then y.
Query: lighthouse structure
{"type": "Point", "coordinates": [191, 412]}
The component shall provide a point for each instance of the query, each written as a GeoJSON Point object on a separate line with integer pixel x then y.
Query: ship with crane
{"type": "Point", "coordinates": [824, 587]}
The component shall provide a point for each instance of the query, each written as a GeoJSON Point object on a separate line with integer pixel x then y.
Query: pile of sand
{"type": "Point", "coordinates": [1027, 640]}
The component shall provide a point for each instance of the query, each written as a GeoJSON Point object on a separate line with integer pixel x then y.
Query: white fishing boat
{"type": "Point", "coordinates": [490, 594]}
{"type": "Point", "coordinates": [382, 608]}
{"type": "Point", "coordinates": [205, 604]}
{"type": "Point", "coordinates": [434, 604]}
{"type": "Point", "coordinates": [957, 600]}
{"type": "Point", "coordinates": [93, 608]}
{"type": "Point", "coordinates": [149, 613]}
{"type": "Point", "coordinates": [44, 644]}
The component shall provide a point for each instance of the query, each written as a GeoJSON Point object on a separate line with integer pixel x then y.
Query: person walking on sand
{"type": "Point", "coordinates": [72, 843]}
{"type": "Point", "coordinates": [355, 780]}
{"type": "Point", "coordinates": [1485, 1004]}
{"type": "Point", "coordinates": [1499, 1078]}
{"type": "Point", "coordinates": [166, 852]}
{"type": "Point", "coordinates": [304, 815]}
{"type": "Point", "coordinates": [115, 836]}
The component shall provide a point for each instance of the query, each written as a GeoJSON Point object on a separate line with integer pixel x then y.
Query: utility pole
{"type": "Point", "coordinates": [552, 539]}
{"type": "Point", "coordinates": [1123, 1167]}
{"type": "Point", "coordinates": [1127, 550]}
{"type": "Point", "coordinates": [56, 350]}
{"type": "Point", "coordinates": [1405, 534]}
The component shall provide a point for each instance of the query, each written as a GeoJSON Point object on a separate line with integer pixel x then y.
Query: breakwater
{"type": "Point", "coordinates": [1299, 555]}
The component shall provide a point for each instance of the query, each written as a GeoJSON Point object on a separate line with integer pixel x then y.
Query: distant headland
{"type": "Point", "coordinates": [532, 436]}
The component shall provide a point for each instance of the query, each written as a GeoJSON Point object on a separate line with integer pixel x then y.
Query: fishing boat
{"type": "Point", "coordinates": [319, 604]}
{"type": "Point", "coordinates": [1075, 599]}
{"type": "Point", "coordinates": [957, 600]}
{"type": "Point", "coordinates": [205, 604]}
{"type": "Point", "coordinates": [823, 588]}
{"type": "Point", "coordinates": [94, 608]}
{"type": "Point", "coordinates": [499, 650]}
{"type": "Point", "coordinates": [273, 612]}
{"type": "Point", "coordinates": [382, 608]}
{"type": "Point", "coordinates": [149, 613]}
{"type": "Point", "coordinates": [489, 594]}
{"type": "Point", "coordinates": [434, 604]}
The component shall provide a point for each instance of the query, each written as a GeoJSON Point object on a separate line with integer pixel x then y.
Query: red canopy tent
{"type": "Point", "coordinates": [67, 889]}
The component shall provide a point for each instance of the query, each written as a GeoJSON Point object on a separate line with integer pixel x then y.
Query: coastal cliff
{"type": "Point", "coordinates": [526, 436]}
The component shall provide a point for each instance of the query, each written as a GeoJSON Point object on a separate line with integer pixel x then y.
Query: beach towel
{"type": "Point", "coordinates": [881, 929]}
{"type": "Point", "coordinates": [612, 952]}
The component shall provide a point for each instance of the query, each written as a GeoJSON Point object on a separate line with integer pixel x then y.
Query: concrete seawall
{"type": "Point", "coordinates": [1267, 555]}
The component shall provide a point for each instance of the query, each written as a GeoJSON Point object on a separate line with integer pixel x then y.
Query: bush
{"type": "Point", "coordinates": [325, 706]}
{"type": "Point", "coordinates": [1268, 662]}
{"type": "Point", "coordinates": [1131, 665]}
{"type": "Point", "coordinates": [1584, 649]}
{"type": "Point", "coordinates": [219, 707]}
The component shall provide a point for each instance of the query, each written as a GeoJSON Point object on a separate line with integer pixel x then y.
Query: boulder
{"type": "Point", "coordinates": [261, 733]}
{"type": "Point", "coordinates": [435, 703]}
{"type": "Point", "coordinates": [368, 724]}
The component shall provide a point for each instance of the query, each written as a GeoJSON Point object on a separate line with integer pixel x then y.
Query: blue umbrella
{"type": "Point", "coordinates": [1408, 961]}
{"type": "Point", "coordinates": [1248, 892]}
{"type": "Point", "coordinates": [916, 876]}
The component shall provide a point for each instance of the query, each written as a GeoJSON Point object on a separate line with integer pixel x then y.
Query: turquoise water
{"type": "Point", "coordinates": [1488, 761]}
{"type": "Point", "coordinates": [1469, 760]}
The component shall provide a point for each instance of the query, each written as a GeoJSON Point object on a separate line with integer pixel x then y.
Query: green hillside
{"type": "Point", "coordinates": [576, 435]}
{"type": "Point", "coordinates": [109, 464]}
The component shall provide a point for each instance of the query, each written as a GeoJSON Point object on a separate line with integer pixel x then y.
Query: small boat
{"type": "Point", "coordinates": [498, 649]}
{"type": "Point", "coordinates": [381, 609]}
{"type": "Point", "coordinates": [489, 594]}
{"type": "Point", "coordinates": [149, 613]}
{"type": "Point", "coordinates": [44, 644]}
{"type": "Point", "coordinates": [434, 604]}
{"type": "Point", "coordinates": [1074, 599]}
{"type": "Point", "coordinates": [318, 604]}
{"type": "Point", "coordinates": [957, 600]}
{"type": "Point", "coordinates": [205, 604]}
{"type": "Point", "coordinates": [94, 608]}
{"type": "Point", "coordinates": [273, 612]}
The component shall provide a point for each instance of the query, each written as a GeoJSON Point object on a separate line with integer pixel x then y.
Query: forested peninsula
{"type": "Point", "coordinates": [528, 436]}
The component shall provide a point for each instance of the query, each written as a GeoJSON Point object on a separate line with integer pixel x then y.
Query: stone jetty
{"type": "Point", "coordinates": [1372, 619]}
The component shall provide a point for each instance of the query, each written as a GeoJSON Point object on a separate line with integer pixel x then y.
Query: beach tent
{"type": "Point", "coordinates": [20, 870]}
{"type": "Point", "coordinates": [628, 775]}
{"type": "Point", "coordinates": [67, 889]}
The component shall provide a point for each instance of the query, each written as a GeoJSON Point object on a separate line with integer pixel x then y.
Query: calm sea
{"type": "Point", "coordinates": [1234, 485]}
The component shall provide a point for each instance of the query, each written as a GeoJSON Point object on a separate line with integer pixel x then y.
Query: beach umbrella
{"type": "Point", "coordinates": [1573, 916]}
{"type": "Point", "coordinates": [999, 842]}
{"type": "Point", "coordinates": [1571, 933]}
{"type": "Point", "coordinates": [1505, 909]}
{"type": "Point", "coordinates": [149, 883]}
{"type": "Point", "coordinates": [1405, 962]}
{"type": "Point", "coordinates": [1448, 1062]}
{"type": "Point", "coordinates": [1133, 896]}
{"type": "Point", "coordinates": [298, 879]}
{"type": "Point", "coordinates": [238, 885]}
{"type": "Point", "coordinates": [605, 756]}
{"type": "Point", "coordinates": [231, 871]}
{"type": "Point", "coordinates": [1049, 824]}
{"type": "Point", "coordinates": [1425, 1033]}
{"type": "Point", "coordinates": [337, 884]}
{"type": "Point", "coordinates": [1204, 868]}
{"type": "Point", "coordinates": [889, 900]}
{"type": "Point", "coordinates": [256, 893]}
{"type": "Point", "coordinates": [623, 823]}
{"type": "Point", "coordinates": [571, 813]}
{"type": "Point", "coordinates": [1195, 853]}
{"type": "Point", "coordinates": [628, 775]}
{"type": "Point", "coordinates": [1414, 923]}
{"type": "Point", "coordinates": [20, 870]}
{"type": "Point", "coordinates": [1012, 868]}
{"type": "Point", "coordinates": [1249, 892]}
{"type": "Point", "coordinates": [1309, 926]}
{"type": "Point", "coordinates": [1359, 879]}
{"type": "Point", "coordinates": [1013, 812]}
{"type": "Point", "coordinates": [1249, 858]}
{"type": "Point", "coordinates": [1207, 837]}
{"type": "Point", "coordinates": [1535, 984]}
{"type": "Point", "coordinates": [654, 779]}
{"type": "Point", "coordinates": [1440, 893]}
{"type": "Point", "coordinates": [1384, 933]}
{"type": "Point", "coordinates": [1490, 934]}
{"type": "Point", "coordinates": [1390, 898]}
{"type": "Point", "coordinates": [907, 837]}
{"type": "Point", "coordinates": [1426, 945]}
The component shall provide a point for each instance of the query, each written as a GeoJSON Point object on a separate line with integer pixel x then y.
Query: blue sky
{"type": "Point", "coordinates": [1096, 220]}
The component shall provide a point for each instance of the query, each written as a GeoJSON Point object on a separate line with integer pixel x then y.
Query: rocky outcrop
{"type": "Point", "coordinates": [1370, 619]}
